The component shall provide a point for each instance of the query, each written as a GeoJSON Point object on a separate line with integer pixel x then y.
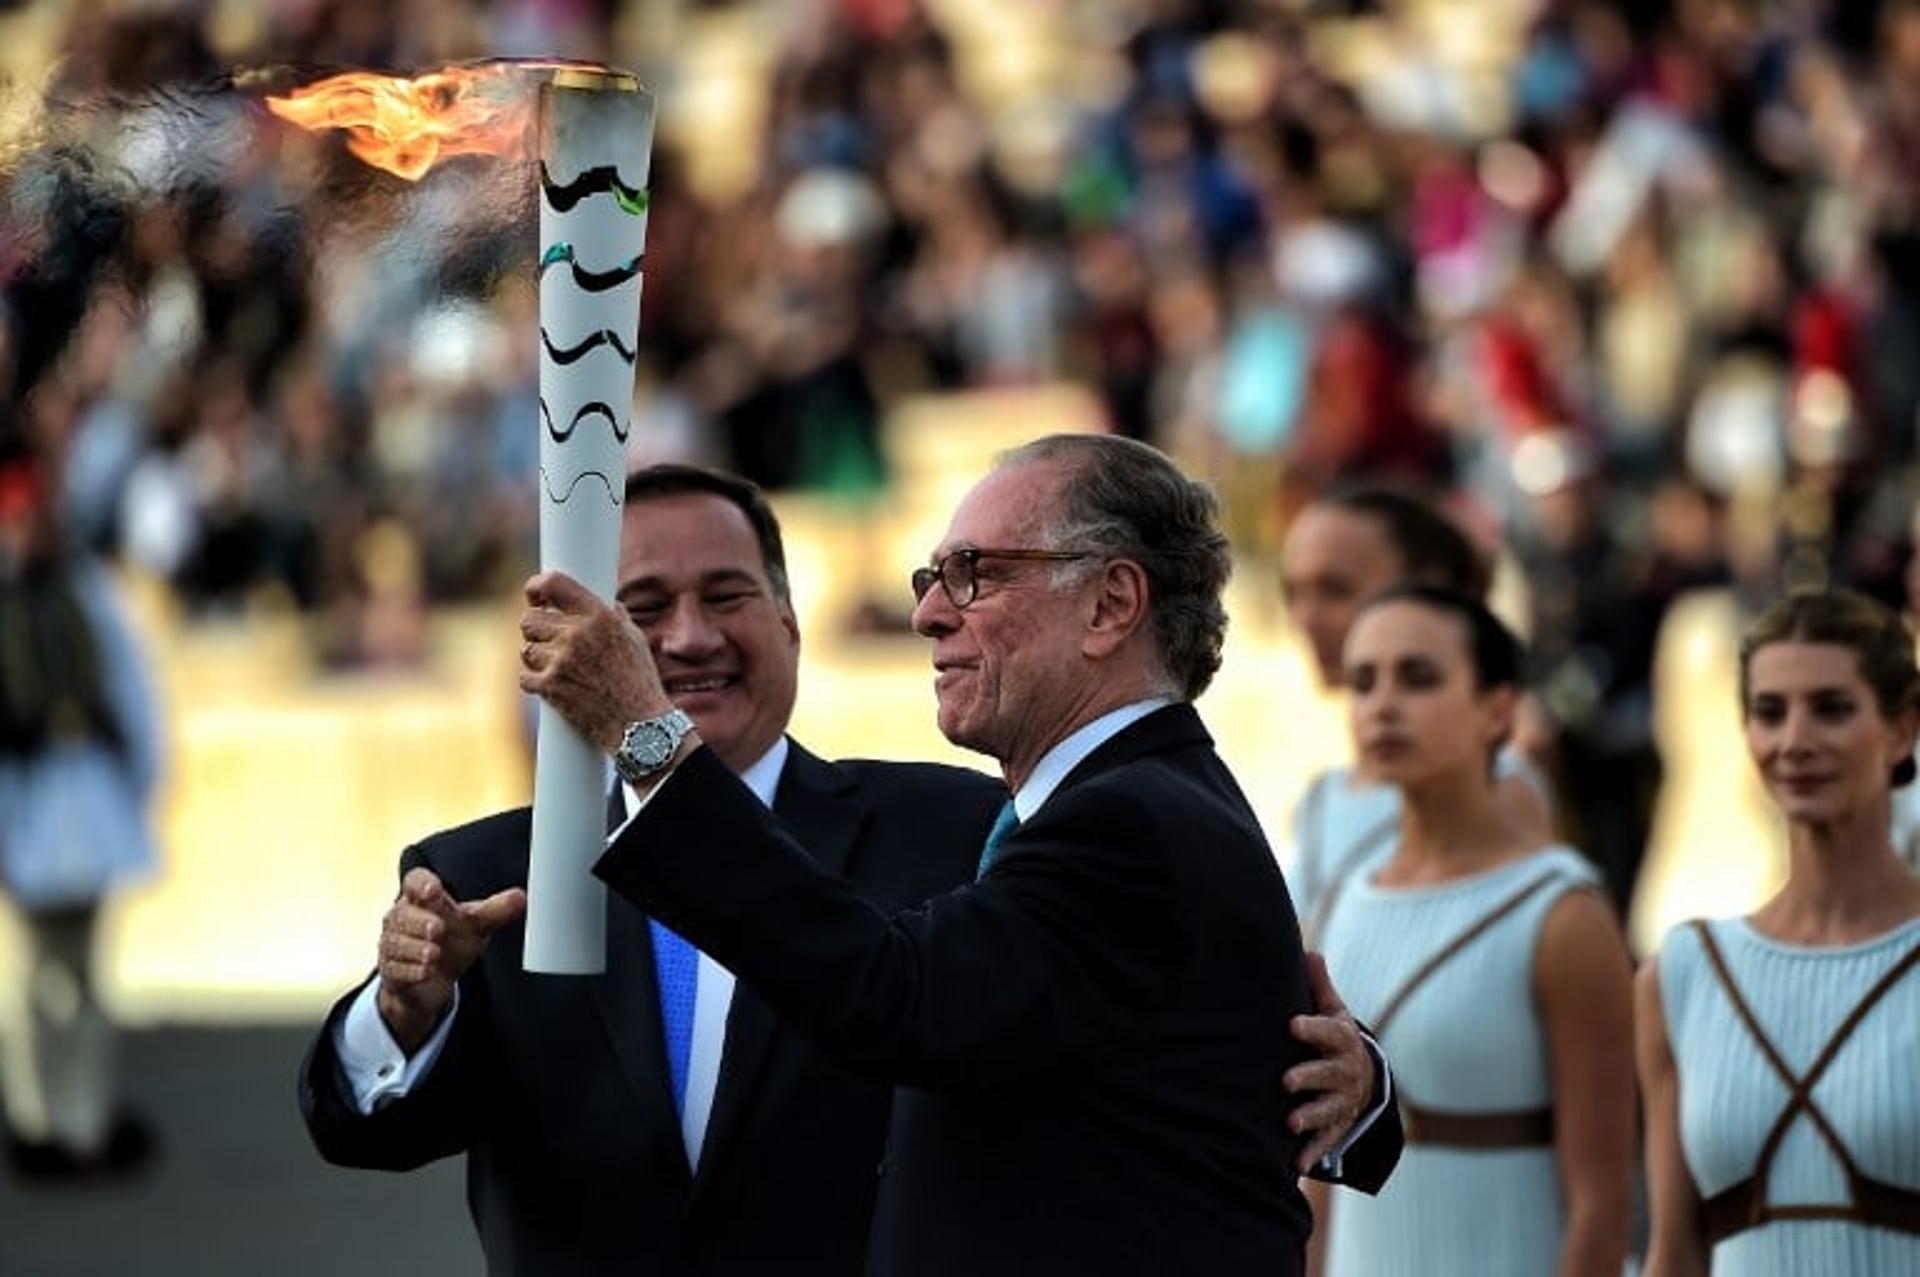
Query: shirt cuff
{"type": "Point", "coordinates": [1331, 1163]}
{"type": "Point", "coordinates": [374, 1071]}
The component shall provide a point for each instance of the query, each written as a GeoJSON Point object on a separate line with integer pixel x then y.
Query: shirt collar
{"type": "Point", "coordinates": [1057, 762]}
{"type": "Point", "coordinates": [763, 777]}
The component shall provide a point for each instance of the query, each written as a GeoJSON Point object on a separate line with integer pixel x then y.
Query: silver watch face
{"type": "Point", "coordinates": [649, 744]}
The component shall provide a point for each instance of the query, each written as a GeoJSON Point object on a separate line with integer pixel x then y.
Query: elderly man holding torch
{"type": "Point", "coordinates": [610, 1126]}
{"type": "Point", "coordinates": [1091, 1039]}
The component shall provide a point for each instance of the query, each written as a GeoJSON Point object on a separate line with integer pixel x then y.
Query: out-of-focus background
{"type": "Point", "coordinates": [1634, 285]}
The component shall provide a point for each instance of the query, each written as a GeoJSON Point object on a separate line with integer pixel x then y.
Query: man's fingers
{"type": "Point", "coordinates": [558, 591]}
{"type": "Point", "coordinates": [397, 975]}
{"type": "Point", "coordinates": [408, 950]}
{"type": "Point", "coordinates": [411, 920]}
{"type": "Point", "coordinates": [1326, 999]}
{"type": "Point", "coordinates": [1327, 1034]}
{"type": "Point", "coordinates": [422, 886]}
{"type": "Point", "coordinates": [496, 911]}
{"type": "Point", "coordinates": [1317, 1075]}
{"type": "Point", "coordinates": [1325, 1122]}
{"type": "Point", "coordinates": [1317, 1148]}
{"type": "Point", "coordinates": [423, 889]}
{"type": "Point", "coordinates": [1318, 1116]}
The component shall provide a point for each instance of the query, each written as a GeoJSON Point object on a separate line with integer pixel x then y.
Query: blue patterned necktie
{"type": "Point", "coordinates": [1002, 826]}
{"type": "Point", "coordinates": [676, 965]}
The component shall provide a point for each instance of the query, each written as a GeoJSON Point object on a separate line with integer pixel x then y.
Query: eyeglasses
{"type": "Point", "coordinates": [956, 575]}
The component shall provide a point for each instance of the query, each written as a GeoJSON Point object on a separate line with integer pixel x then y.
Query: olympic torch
{"type": "Point", "coordinates": [596, 132]}
{"type": "Point", "coordinates": [595, 141]}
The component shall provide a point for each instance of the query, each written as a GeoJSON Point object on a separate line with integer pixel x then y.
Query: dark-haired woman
{"type": "Point", "coordinates": [1347, 546]}
{"type": "Point", "coordinates": [1780, 1051]}
{"type": "Point", "coordinates": [1492, 971]}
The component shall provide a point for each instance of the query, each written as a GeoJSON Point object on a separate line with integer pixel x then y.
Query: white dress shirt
{"type": "Point", "coordinates": [1054, 767]}
{"type": "Point", "coordinates": [376, 1071]}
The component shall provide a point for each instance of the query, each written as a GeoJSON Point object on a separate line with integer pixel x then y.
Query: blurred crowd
{"type": "Point", "coordinates": [1637, 284]}
{"type": "Point", "coordinates": [1634, 286]}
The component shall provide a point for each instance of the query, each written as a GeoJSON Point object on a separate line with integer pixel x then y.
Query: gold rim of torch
{"type": "Point", "coordinates": [598, 81]}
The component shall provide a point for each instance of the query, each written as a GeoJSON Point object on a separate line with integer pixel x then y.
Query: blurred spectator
{"type": "Point", "coordinates": [78, 760]}
{"type": "Point", "coordinates": [1296, 243]}
{"type": "Point", "coordinates": [1597, 595]}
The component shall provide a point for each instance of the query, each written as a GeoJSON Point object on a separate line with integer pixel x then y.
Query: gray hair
{"type": "Point", "coordinates": [1121, 499]}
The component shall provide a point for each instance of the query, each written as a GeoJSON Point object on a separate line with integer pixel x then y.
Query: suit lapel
{"type": "Point", "coordinates": [629, 1004]}
{"type": "Point", "coordinates": [820, 807]}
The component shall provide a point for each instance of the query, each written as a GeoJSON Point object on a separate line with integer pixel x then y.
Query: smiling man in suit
{"type": "Point", "coordinates": [611, 1127]}
{"type": "Point", "coordinates": [608, 1129]}
{"type": "Point", "coordinates": [1092, 1038]}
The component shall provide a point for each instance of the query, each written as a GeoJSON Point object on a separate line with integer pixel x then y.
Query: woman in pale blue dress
{"type": "Point", "coordinates": [1780, 1051]}
{"type": "Point", "coordinates": [1492, 970]}
{"type": "Point", "coordinates": [1341, 550]}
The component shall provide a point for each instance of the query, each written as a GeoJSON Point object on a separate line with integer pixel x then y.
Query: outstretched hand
{"type": "Point", "coordinates": [1340, 1081]}
{"type": "Point", "coordinates": [587, 659]}
{"type": "Point", "coordinates": [427, 941]}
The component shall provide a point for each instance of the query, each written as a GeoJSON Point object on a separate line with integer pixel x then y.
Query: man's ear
{"type": "Point", "coordinates": [1117, 608]}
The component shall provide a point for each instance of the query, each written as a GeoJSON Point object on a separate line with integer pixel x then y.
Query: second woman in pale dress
{"type": "Point", "coordinates": [1345, 547]}
{"type": "Point", "coordinates": [1491, 969]}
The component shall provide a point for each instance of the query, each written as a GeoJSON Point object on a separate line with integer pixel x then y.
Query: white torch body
{"type": "Point", "coordinates": [596, 134]}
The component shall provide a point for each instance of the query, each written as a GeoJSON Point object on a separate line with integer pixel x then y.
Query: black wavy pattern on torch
{"type": "Point", "coordinates": [592, 409]}
{"type": "Point", "coordinates": [595, 181]}
{"type": "Point", "coordinates": [594, 281]}
{"type": "Point", "coordinates": [561, 498]}
{"type": "Point", "coordinates": [574, 354]}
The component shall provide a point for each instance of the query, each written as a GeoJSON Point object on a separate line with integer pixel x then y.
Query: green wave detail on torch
{"type": "Point", "coordinates": [560, 252]}
{"type": "Point", "coordinates": [634, 202]}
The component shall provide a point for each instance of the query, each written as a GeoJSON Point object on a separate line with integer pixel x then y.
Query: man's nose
{"type": "Point", "coordinates": [934, 613]}
{"type": "Point", "coordinates": [686, 630]}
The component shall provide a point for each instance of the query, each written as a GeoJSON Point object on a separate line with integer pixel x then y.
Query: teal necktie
{"type": "Point", "coordinates": [1002, 826]}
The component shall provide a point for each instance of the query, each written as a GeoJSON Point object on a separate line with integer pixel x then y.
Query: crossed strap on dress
{"type": "Point", "coordinates": [1519, 1128]}
{"type": "Point", "coordinates": [1745, 1205]}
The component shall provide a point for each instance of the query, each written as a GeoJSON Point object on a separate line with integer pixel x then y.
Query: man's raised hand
{"type": "Point", "coordinates": [427, 941]}
{"type": "Point", "coordinates": [587, 659]}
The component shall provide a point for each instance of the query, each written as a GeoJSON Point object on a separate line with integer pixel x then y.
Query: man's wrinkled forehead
{"type": "Point", "coordinates": [1010, 508]}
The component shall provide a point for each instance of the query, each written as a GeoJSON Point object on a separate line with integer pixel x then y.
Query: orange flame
{"type": "Point", "coordinates": [407, 126]}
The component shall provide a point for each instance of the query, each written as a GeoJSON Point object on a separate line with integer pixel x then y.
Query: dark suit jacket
{"type": "Point", "coordinates": [556, 1089]}
{"type": "Point", "coordinates": [1090, 1040]}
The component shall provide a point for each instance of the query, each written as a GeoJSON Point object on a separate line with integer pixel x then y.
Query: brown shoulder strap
{"type": "Point", "coordinates": [1745, 1012]}
{"type": "Point", "coordinates": [1426, 970]}
{"type": "Point", "coordinates": [1363, 847]}
{"type": "Point", "coordinates": [1871, 999]}
{"type": "Point", "coordinates": [1800, 1089]}
{"type": "Point", "coordinates": [1880, 989]}
{"type": "Point", "coordinates": [1797, 1097]}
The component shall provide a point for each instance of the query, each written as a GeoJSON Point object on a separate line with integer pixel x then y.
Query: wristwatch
{"type": "Point", "coordinates": [648, 745]}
